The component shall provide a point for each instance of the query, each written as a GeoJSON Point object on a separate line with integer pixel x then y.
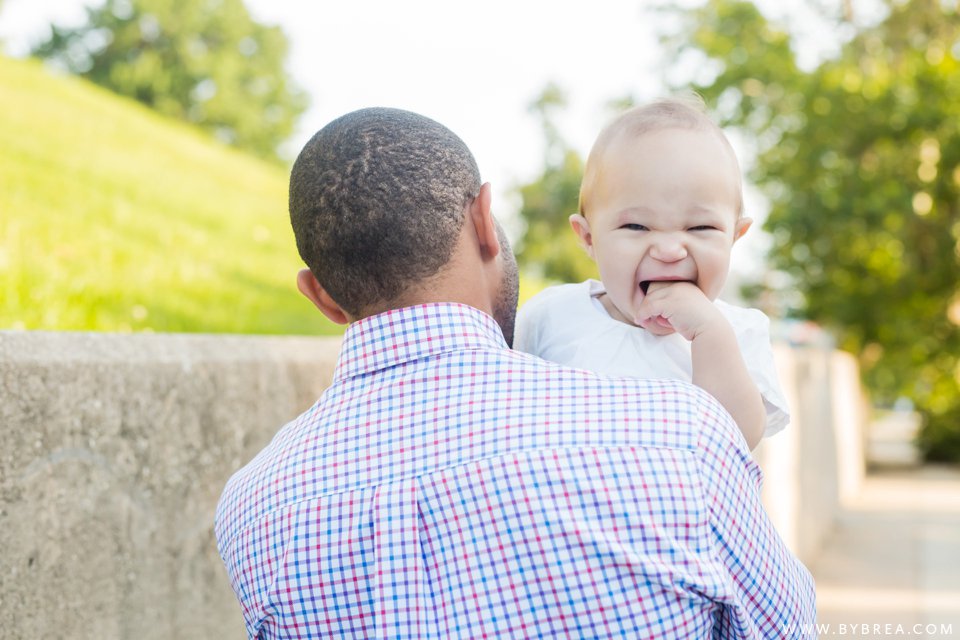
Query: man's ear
{"type": "Point", "coordinates": [310, 287]}
{"type": "Point", "coordinates": [742, 225]}
{"type": "Point", "coordinates": [581, 227]}
{"type": "Point", "coordinates": [480, 214]}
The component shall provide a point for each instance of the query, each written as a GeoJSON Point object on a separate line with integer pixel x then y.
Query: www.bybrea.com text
{"type": "Point", "coordinates": [872, 630]}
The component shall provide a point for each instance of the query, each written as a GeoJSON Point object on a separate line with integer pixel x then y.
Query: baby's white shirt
{"type": "Point", "coordinates": [568, 324]}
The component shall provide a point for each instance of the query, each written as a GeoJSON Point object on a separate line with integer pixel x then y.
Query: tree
{"type": "Point", "coordinates": [203, 61]}
{"type": "Point", "coordinates": [860, 161]}
{"type": "Point", "coordinates": [549, 246]}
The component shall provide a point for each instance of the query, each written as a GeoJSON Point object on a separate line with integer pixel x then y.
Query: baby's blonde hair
{"type": "Point", "coordinates": [686, 111]}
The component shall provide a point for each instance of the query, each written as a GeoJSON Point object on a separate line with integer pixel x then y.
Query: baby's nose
{"type": "Point", "coordinates": [668, 249]}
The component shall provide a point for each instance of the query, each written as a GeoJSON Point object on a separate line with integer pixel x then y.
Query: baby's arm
{"type": "Point", "coordinates": [718, 368]}
{"type": "Point", "coordinates": [718, 365]}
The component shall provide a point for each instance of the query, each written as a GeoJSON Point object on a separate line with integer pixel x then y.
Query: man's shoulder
{"type": "Point", "coordinates": [659, 406]}
{"type": "Point", "coordinates": [643, 413]}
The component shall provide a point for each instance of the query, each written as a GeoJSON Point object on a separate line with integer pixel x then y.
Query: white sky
{"type": "Point", "coordinates": [473, 66]}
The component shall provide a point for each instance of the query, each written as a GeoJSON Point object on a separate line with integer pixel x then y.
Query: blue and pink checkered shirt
{"type": "Point", "coordinates": [445, 486]}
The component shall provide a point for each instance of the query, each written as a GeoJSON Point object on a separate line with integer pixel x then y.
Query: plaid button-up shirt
{"type": "Point", "coordinates": [445, 486]}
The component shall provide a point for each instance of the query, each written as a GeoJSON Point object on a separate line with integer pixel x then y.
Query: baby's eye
{"type": "Point", "coordinates": [630, 226]}
{"type": "Point", "coordinates": [703, 227]}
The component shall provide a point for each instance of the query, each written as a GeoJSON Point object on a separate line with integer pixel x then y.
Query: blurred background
{"type": "Point", "coordinates": [146, 146]}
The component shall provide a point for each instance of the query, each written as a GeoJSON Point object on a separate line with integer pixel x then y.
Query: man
{"type": "Point", "coordinates": [445, 486]}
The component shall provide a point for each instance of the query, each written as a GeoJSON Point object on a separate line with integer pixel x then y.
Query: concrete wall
{"type": "Point", "coordinates": [115, 450]}
{"type": "Point", "coordinates": [818, 460]}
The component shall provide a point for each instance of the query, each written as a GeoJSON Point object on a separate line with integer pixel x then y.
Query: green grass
{"type": "Point", "coordinates": [115, 219]}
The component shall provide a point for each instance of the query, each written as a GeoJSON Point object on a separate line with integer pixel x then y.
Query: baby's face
{"type": "Point", "coordinates": [664, 207]}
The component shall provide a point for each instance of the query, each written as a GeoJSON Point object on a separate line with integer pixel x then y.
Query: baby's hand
{"type": "Point", "coordinates": [676, 306]}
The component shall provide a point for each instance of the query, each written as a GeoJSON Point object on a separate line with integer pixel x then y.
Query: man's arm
{"type": "Point", "coordinates": [772, 593]}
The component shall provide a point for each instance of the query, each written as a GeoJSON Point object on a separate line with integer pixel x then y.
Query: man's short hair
{"type": "Point", "coordinates": [377, 202]}
{"type": "Point", "coordinates": [685, 111]}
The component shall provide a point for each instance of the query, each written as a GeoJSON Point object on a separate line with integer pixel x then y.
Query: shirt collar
{"type": "Point", "coordinates": [411, 333]}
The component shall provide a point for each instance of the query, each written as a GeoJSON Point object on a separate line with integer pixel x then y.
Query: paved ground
{"type": "Point", "coordinates": [891, 569]}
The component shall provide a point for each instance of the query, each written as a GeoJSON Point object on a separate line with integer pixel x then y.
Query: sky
{"type": "Point", "coordinates": [473, 66]}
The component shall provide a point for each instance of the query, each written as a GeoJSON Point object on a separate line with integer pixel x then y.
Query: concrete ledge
{"type": "Point", "coordinates": [115, 451]}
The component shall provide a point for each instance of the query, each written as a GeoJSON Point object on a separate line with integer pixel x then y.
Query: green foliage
{"type": "Point", "coordinates": [938, 440]}
{"type": "Point", "coordinates": [115, 219]}
{"type": "Point", "coordinates": [206, 62]}
{"type": "Point", "coordinates": [549, 247]}
{"type": "Point", "coordinates": [860, 159]}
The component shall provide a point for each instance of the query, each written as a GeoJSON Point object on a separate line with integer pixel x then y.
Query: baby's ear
{"type": "Point", "coordinates": [581, 227]}
{"type": "Point", "coordinates": [742, 225]}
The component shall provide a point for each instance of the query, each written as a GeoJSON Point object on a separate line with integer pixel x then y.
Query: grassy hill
{"type": "Point", "coordinates": [115, 219]}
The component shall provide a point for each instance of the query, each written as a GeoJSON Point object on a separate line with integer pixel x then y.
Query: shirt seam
{"type": "Point", "coordinates": [605, 447]}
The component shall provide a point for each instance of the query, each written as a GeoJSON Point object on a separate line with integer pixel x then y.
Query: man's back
{"type": "Point", "coordinates": [445, 486]}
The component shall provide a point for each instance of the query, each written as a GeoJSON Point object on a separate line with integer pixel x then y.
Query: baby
{"type": "Point", "coordinates": [661, 205]}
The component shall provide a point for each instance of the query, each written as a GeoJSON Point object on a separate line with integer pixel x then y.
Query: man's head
{"type": "Point", "coordinates": [378, 202]}
{"type": "Point", "coordinates": [661, 199]}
